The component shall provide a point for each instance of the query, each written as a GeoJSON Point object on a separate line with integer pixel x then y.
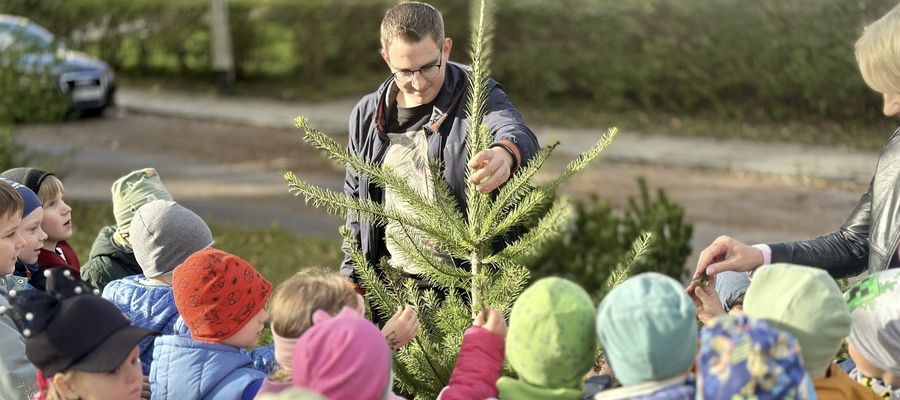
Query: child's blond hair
{"type": "Point", "coordinates": [878, 53]}
{"type": "Point", "coordinates": [10, 200]}
{"type": "Point", "coordinates": [295, 301]}
{"type": "Point", "coordinates": [53, 392]}
{"type": "Point", "coordinates": [50, 189]}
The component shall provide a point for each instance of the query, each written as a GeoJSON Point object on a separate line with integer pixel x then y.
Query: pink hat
{"type": "Point", "coordinates": [341, 350]}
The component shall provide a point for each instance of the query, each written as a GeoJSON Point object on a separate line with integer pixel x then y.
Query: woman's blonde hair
{"type": "Point", "coordinates": [878, 53]}
{"type": "Point", "coordinates": [295, 301]}
{"type": "Point", "coordinates": [50, 188]}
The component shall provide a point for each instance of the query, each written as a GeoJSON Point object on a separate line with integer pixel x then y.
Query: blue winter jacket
{"type": "Point", "coordinates": [185, 369]}
{"type": "Point", "coordinates": [148, 306]}
{"type": "Point", "coordinates": [446, 143]}
{"type": "Point", "coordinates": [153, 307]}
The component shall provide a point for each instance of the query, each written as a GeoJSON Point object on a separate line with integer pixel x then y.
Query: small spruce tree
{"type": "Point", "coordinates": [483, 274]}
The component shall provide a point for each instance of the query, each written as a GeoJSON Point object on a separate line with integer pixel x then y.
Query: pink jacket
{"type": "Point", "coordinates": [478, 367]}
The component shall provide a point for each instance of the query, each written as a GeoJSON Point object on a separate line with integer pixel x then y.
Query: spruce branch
{"type": "Point", "coordinates": [519, 212]}
{"type": "Point", "coordinates": [531, 242]}
{"type": "Point", "coordinates": [425, 210]}
{"type": "Point", "coordinates": [622, 271]}
{"type": "Point", "coordinates": [382, 298]}
{"type": "Point", "coordinates": [434, 269]}
{"type": "Point", "coordinates": [516, 188]}
{"type": "Point", "coordinates": [583, 160]}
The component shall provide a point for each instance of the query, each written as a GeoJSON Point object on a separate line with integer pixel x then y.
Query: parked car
{"type": "Point", "coordinates": [88, 83]}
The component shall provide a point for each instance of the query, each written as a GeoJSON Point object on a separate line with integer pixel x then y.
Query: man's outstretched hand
{"type": "Point", "coordinates": [725, 254]}
{"type": "Point", "coordinates": [493, 168]}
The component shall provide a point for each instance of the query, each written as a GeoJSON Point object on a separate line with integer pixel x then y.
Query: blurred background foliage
{"type": "Point", "coordinates": [764, 60]}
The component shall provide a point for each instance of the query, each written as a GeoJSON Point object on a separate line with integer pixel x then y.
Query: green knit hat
{"type": "Point", "coordinates": [551, 341]}
{"type": "Point", "coordinates": [132, 191]}
{"type": "Point", "coordinates": [805, 302]}
{"type": "Point", "coordinates": [648, 328]}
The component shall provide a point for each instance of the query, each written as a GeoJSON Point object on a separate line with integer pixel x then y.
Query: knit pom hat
{"type": "Point", "coordinates": [132, 191]}
{"type": "Point", "coordinates": [32, 178]}
{"type": "Point", "coordinates": [648, 329]}
{"type": "Point", "coordinates": [550, 342]}
{"type": "Point", "coordinates": [30, 201]}
{"type": "Point", "coordinates": [343, 357]}
{"type": "Point", "coordinates": [805, 302]}
{"type": "Point", "coordinates": [217, 293]}
{"type": "Point", "coordinates": [164, 234]}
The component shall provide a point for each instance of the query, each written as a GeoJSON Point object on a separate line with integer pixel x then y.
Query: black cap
{"type": "Point", "coordinates": [71, 327]}
{"type": "Point", "coordinates": [30, 177]}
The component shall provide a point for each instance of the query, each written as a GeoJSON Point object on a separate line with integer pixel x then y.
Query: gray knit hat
{"type": "Point", "coordinates": [164, 234]}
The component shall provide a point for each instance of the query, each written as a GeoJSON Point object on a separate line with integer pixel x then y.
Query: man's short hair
{"type": "Point", "coordinates": [878, 53]}
{"type": "Point", "coordinates": [411, 22]}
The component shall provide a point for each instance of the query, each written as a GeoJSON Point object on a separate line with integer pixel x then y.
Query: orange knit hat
{"type": "Point", "coordinates": [217, 293]}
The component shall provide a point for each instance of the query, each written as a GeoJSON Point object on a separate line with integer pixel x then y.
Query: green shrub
{"type": "Point", "coordinates": [598, 238]}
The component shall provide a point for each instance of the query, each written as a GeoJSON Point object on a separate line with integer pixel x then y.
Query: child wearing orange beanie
{"type": "Point", "coordinates": [222, 300]}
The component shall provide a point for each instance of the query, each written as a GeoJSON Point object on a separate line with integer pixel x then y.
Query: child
{"type": "Point", "coordinates": [807, 303]}
{"type": "Point", "coordinates": [221, 298]}
{"type": "Point", "coordinates": [163, 234]}
{"type": "Point", "coordinates": [744, 358]}
{"type": "Point", "coordinates": [648, 329]}
{"type": "Point", "coordinates": [56, 223]}
{"type": "Point", "coordinates": [292, 309]}
{"type": "Point", "coordinates": [724, 294]}
{"type": "Point", "coordinates": [17, 375]}
{"type": "Point", "coordinates": [81, 342]}
{"type": "Point", "coordinates": [550, 342]}
{"type": "Point", "coordinates": [874, 342]}
{"type": "Point", "coordinates": [480, 361]}
{"type": "Point", "coordinates": [30, 229]}
{"type": "Point", "coordinates": [344, 357]}
{"type": "Point", "coordinates": [111, 255]}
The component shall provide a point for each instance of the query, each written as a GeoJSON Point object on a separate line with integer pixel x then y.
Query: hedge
{"type": "Point", "coordinates": [764, 59]}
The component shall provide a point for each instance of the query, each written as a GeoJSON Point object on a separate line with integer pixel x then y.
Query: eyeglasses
{"type": "Point", "coordinates": [427, 72]}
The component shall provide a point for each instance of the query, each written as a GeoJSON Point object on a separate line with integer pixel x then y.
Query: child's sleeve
{"type": "Point", "coordinates": [478, 367]}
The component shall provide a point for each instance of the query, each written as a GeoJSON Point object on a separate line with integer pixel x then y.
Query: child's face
{"type": "Point", "coordinates": [125, 382]}
{"type": "Point", "coordinates": [57, 220]}
{"type": "Point", "coordinates": [30, 229]}
{"type": "Point", "coordinates": [249, 335]}
{"type": "Point", "coordinates": [11, 242]}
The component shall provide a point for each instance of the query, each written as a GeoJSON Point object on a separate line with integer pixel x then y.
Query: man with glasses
{"type": "Point", "coordinates": [418, 116]}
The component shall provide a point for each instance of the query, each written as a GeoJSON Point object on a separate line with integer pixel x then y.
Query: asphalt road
{"type": "Point", "coordinates": [233, 173]}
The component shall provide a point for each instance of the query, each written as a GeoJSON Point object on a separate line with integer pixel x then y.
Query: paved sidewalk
{"type": "Point", "coordinates": [727, 155]}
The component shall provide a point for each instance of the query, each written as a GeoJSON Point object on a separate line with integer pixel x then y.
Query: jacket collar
{"type": "Point", "coordinates": [455, 81]}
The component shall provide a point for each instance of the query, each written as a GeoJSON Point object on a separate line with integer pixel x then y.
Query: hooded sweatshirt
{"type": "Point", "coordinates": [550, 342]}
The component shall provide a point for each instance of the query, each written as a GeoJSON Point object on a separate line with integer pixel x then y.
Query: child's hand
{"type": "Point", "coordinates": [145, 390]}
{"type": "Point", "coordinates": [401, 328]}
{"type": "Point", "coordinates": [707, 301]}
{"type": "Point", "coordinates": [491, 320]}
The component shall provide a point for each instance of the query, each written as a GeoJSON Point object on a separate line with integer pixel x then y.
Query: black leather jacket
{"type": "Point", "coordinates": [870, 235]}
